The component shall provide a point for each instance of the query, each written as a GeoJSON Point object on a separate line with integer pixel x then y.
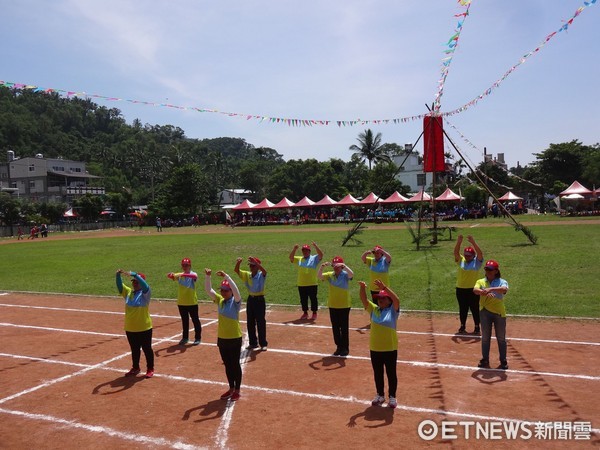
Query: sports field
{"type": "Point", "coordinates": [63, 357]}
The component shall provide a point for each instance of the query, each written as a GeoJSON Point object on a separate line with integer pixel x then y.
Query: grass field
{"type": "Point", "coordinates": [558, 276]}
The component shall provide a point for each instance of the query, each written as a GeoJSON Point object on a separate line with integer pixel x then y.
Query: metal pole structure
{"type": "Point", "coordinates": [520, 227]}
{"type": "Point", "coordinates": [354, 230]}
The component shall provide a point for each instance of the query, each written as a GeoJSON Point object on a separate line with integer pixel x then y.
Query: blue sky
{"type": "Point", "coordinates": [320, 60]}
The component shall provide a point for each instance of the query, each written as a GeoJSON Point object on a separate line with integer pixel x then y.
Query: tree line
{"type": "Point", "coordinates": [177, 176]}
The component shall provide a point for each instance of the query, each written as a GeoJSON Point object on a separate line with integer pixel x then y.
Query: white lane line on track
{"type": "Point", "coordinates": [418, 333]}
{"type": "Point", "coordinates": [324, 397]}
{"type": "Point", "coordinates": [299, 352]}
{"type": "Point", "coordinates": [222, 433]}
{"type": "Point", "coordinates": [136, 438]}
{"type": "Point", "coordinates": [66, 377]}
{"type": "Point", "coordinates": [312, 325]}
{"type": "Point", "coordinates": [270, 305]}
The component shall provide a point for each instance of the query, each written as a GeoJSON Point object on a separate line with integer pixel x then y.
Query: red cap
{"type": "Point", "coordinates": [337, 260]}
{"type": "Point", "coordinates": [306, 247]}
{"type": "Point", "coordinates": [141, 275]}
{"type": "Point", "coordinates": [377, 248]}
{"type": "Point", "coordinates": [225, 285]}
{"type": "Point", "coordinates": [254, 261]}
{"type": "Point", "coordinates": [382, 294]}
{"type": "Point", "coordinates": [469, 250]}
{"type": "Point", "coordinates": [491, 264]}
{"type": "Point", "coordinates": [186, 262]}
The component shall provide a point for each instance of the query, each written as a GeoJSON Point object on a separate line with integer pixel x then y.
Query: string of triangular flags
{"type": "Point", "coordinates": [452, 42]}
{"type": "Point", "coordinates": [524, 58]}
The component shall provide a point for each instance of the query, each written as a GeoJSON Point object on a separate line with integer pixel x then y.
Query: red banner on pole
{"type": "Point", "coordinates": [433, 141]}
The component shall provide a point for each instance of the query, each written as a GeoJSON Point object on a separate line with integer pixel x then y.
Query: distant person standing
{"type": "Point", "coordinates": [19, 233]}
{"type": "Point", "coordinates": [229, 333]}
{"type": "Point", "coordinates": [187, 301]}
{"type": "Point", "coordinates": [44, 230]}
{"type": "Point", "coordinates": [254, 279]}
{"type": "Point", "coordinates": [469, 266]}
{"type": "Point", "coordinates": [158, 224]}
{"type": "Point", "coordinates": [339, 302]}
{"type": "Point", "coordinates": [138, 324]}
{"type": "Point", "coordinates": [307, 278]}
{"type": "Point", "coordinates": [383, 340]}
{"type": "Point", "coordinates": [491, 291]}
{"type": "Point", "coordinates": [378, 260]}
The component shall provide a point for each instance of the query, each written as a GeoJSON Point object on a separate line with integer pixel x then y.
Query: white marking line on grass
{"type": "Point", "coordinates": [324, 397]}
{"type": "Point", "coordinates": [137, 438]}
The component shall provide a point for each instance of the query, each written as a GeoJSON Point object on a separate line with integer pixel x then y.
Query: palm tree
{"type": "Point", "coordinates": [370, 148]}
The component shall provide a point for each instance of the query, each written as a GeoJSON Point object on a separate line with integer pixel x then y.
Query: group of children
{"type": "Point", "coordinates": [383, 309]}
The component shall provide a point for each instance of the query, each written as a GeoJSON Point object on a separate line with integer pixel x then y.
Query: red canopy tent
{"type": "Point", "coordinates": [265, 204]}
{"type": "Point", "coordinates": [348, 200]}
{"type": "Point", "coordinates": [246, 204]}
{"type": "Point", "coordinates": [304, 202]}
{"type": "Point", "coordinates": [509, 197]}
{"type": "Point", "coordinates": [70, 213]}
{"type": "Point", "coordinates": [421, 196]}
{"type": "Point", "coordinates": [396, 197]}
{"type": "Point", "coordinates": [370, 199]}
{"type": "Point", "coordinates": [284, 203]}
{"type": "Point", "coordinates": [448, 196]}
{"type": "Point", "coordinates": [326, 201]}
{"type": "Point", "coordinates": [575, 188]}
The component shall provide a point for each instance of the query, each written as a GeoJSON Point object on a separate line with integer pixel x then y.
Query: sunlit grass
{"type": "Point", "coordinates": [558, 276]}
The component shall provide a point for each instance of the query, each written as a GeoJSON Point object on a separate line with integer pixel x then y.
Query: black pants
{"type": "Point", "coordinates": [307, 292]}
{"type": "Point", "coordinates": [387, 360]}
{"type": "Point", "coordinates": [141, 340]}
{"type": "Point", "coordinates": [255, 316]}
{"type": "Point", "coordinates": [339, 325]}
{"type": "Point", "coordinates": [186, 312]}
{"type": "Point", "coordinates": [230, 350]}
{"type": "Point", "coordinates": [467, 300]}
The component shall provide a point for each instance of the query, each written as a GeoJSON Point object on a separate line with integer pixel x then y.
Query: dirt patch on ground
{"type": "Point", "coordinates": [63, 359]}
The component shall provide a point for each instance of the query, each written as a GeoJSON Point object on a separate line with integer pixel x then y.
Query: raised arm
{"type": "Point", "coordinates": [236, 269]}
{"type": "Point", "coordinates": [478, 251]}
{"type": "Point", "coordinates": [234, 289]}
{"type": "Point", "coordinates": [319, 252]}
{"type": "Point", "coordinates": [207, 284]}
{"type": "Point", "coordinates": [363, 293]}
{"type": "Point", "coordinates": [119, 281]}
{"type": "Point", "coordinates": [364, 256]}
{"type": "Point", "coordinates": [293, 253]}
{"type": "Point", "coordinates": [348, 270]}
{"type": "Point", "coordinates": [253, 260]}
{"type": "Point", "coordinates": [457, 246]}
{"type": "Point", "coordinates": [320, 271]}
{"type": "Point", "coordinates": [395, 300]}
{"type": "Point", "coordinates": [143, 284]}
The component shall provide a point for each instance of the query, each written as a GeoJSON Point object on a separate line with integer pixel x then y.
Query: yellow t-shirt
{"type": "Point", "coordinates": [186, 290]}
{"type": "Point", "coordinates": [137, 314]}
{"type": "Point", "coordinates": [493, 304]}
{"type": "Point", "coordinates": [339, 292]}
{"type": "Point", "coordinates": [307, 270]}
{"type": "Point", "coordinates": [468, 272]}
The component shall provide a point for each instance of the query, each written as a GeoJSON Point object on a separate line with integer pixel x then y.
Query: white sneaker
{"type": "Point", "coordinates": [392, 403]}
{"type": "Point", "coordinates": [378, 400]}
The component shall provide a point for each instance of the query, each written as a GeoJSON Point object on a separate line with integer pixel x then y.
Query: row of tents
{"type": "Point", "coordinates": [447, 196]}
{"type": "Point", "coordinates": [577, 191]}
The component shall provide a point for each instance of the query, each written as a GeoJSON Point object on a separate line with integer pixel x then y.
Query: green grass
{"type": "Point", "coordinates": [559, 276]}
